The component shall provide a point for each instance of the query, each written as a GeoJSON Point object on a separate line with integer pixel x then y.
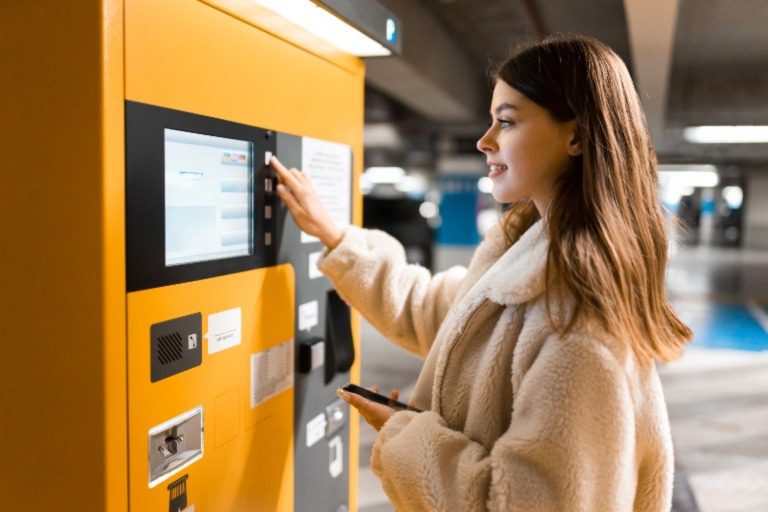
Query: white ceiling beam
{"type": "Point", "coordinates": [651, 25]}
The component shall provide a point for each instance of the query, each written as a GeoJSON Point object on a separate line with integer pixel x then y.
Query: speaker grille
{"type": "Point", "coordinates": [169, 348]}
{"type": "Point", "coordinates": [173, 346]}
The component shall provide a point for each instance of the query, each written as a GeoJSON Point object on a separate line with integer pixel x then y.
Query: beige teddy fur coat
{"type": "Point", "coordinates": [517, 418]}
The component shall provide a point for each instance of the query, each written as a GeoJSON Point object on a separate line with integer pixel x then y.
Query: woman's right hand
{"type": "Point", "coordinates": [305, 206]}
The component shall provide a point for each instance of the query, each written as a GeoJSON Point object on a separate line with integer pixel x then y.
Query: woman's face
{"type": "Point", "coordinates": [526, 149]}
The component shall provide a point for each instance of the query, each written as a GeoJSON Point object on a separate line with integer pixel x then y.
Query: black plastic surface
{"type": "Point", "coordinates": [171, 349]}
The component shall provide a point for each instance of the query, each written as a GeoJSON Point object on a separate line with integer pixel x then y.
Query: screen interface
{"type": "Point", "coordinates": [208, 197]}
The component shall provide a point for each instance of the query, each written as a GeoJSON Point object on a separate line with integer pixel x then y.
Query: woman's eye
{"type": "Point", "coordinates": [505, 123]}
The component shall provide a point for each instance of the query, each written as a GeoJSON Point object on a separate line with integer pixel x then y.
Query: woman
{"type": "Point", "coordinates": [539, 382]}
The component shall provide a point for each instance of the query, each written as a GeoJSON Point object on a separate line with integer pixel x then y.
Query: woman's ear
{"type": "Point", "coordinates": [574, 140]}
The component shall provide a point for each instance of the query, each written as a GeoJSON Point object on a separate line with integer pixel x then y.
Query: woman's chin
{"type": "Point", "coordinates": [505, 196]}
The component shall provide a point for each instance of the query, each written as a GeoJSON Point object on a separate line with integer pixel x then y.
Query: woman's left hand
{"type": "Point", "coordinates": [374, 413]}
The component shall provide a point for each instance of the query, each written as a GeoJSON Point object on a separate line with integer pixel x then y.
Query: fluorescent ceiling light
{"type": "Point", "coordinates": [381, 135]}
{"type": "Point", "coordinates": [326, 26]}
{"type": "Point", "coordinates": [726, 134]}
{"type": "Point", "coordinates": [389, 175]}
{"type": "Point", "coordinates": [686, 176]}
{"type": "Point", "coordinates": [416, 185]}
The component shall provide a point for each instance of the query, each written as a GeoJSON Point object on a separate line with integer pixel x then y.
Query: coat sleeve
{"type": "Point", "coordinates": [569, 447]}
{"type": "Point", "coordinates": [404, 302]}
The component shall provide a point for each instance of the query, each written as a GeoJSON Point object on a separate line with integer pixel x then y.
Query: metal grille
{"type": "Point", "coordinates": [169, 348]}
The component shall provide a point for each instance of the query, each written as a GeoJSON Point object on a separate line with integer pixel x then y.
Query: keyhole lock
{"type": "Point", "coordinates": [175, 444]}
{"type": "Point", "coordinates": [171, 445]}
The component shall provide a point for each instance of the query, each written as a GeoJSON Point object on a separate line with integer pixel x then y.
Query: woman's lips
{"type": "Point", "coordinates": [496, 170]}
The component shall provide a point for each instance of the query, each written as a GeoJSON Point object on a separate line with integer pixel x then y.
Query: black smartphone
{"type": "Point", "coordinates": [376, 397]}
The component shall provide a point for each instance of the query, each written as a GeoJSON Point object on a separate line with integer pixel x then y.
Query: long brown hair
{"type": "Point", "coordinates": [608, 243]}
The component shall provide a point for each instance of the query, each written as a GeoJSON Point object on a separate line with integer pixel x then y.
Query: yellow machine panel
{"type": "Point", "coordinates": [194, 57]}
{"type": "Point", "coordinates": [248, 454]}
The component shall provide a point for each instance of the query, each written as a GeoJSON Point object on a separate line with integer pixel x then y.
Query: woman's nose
{"type": "Point", "coordinates": [485, 143]}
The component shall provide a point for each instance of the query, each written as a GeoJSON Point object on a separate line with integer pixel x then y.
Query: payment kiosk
{"type": "Point", "coordinates": [219, 346]}
{"type": "Point", "coordinates": [236, 343]}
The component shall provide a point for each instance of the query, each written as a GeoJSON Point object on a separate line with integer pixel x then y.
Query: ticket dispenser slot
{"type": "Point", "coordinates": [311, 355]}
{"type": "Point", "coordinates": [175, 444]}
{"type": "Point", "coordinates": [339, 348]}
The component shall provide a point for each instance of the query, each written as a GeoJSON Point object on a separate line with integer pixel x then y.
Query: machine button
{"type": "Point", "coordinates": [268, 212]}
{"type": "Point", "coordinates": [268, 185]}
{"type": "Point", "coordinates": [335, 417]}
{"type": "Point", "coordinates": [267, 238]}
{"type": "Point", "coordinates": [267, 157]}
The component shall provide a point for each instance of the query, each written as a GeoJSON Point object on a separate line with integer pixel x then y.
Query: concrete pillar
{"type": "Point", "coordinates": [756, 210]}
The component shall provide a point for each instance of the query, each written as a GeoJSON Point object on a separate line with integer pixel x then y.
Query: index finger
{"type": "Point", "coordinates": [285, 176]}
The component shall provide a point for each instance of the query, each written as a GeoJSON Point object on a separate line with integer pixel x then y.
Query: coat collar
{"type": "Point", "coordinates": [516, 274]}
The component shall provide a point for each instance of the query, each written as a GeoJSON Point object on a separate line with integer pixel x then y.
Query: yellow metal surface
{"type": "Point", "coordinates": [77, 391]}
{"type": "Point", "coordinates": [63, 332]}
{"type": "Point", "coordinates": [190, 56]}
{"type": "Point", "coordinates": [112, 207]}
{"type": "Point", "coordinates": [248, 459]}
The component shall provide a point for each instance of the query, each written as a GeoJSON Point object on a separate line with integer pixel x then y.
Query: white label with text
{"type": "Point", "coordinates": [224, 330]}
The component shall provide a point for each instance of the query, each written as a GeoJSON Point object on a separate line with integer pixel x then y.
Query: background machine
{"type": "Point", "coordinates": [177, 347]}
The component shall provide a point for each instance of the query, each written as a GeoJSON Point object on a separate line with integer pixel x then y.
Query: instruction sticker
{"type": "Point", "coordinates": [335, 456]}
{"type": "Point", "coordinates": [308, 315]}
{"type": "Point", "coordinates": [271, 372]}
{"type": "Point", "coordinates": [329, 167]}
{"type": "Point", "coordinates": [316, 429]}
{"type": "Point", "coordinates": [312, 260]}
{"type": "Point", "coordinates": [224, 330]}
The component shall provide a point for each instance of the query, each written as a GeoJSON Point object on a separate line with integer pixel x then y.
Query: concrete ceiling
{"type": "Point", "coordinates": [694, 62]}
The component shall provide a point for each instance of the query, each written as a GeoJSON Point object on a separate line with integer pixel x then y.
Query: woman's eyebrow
{"type": "Point", "coordinates": [505, 106]}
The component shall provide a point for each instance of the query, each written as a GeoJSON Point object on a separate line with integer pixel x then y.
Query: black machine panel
{"type": "Point", "coordinates": [320, 483]}
{"type": "Point", "coordinates": [231, 226]}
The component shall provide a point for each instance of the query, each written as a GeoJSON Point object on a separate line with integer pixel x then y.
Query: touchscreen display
{"type": "Point", "coordinates": [208, 197]}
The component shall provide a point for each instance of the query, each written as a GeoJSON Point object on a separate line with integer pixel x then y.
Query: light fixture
{"type": "Point", "coordinates": [366, 32]}
{"type": "Point", "coordinates": [381, 135]}
{"type": "Point", "coordinates": [677, 181]}
{"type": "Point", "coordinates": [485, 185]}
{"type": "Point", "coordinates": [726, 134]}
{"type": "Point", "coordinates": [734, 196]}
{"type": "Point", "coordinates": [389, 175]}
{"type": "Point", "coordinates": [414, 185]}
{"type": "Point", "coordinates": [687, 176]}
{"type": "Point", "coordinates": [428, 210]}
